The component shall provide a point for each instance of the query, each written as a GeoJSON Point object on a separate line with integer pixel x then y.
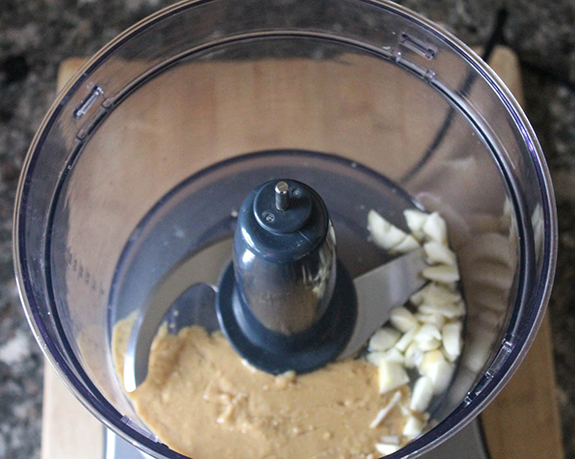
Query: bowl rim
{"type": "Point", "coordinates": [93, 400]}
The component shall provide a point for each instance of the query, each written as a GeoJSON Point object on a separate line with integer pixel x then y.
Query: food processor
{"type": "Point", "coordinates": [132, 190]}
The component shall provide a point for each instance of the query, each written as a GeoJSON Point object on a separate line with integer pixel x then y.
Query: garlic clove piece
{"type": "Point", "coordinates": [383, 339]}
{"type": "Point", "coordinates": [450, 311]}
{"type": "Point", "coordinates": [391, 376]}
{"type": "Point", "coordinates": [426, 332]}
{"type": "Point", "coordinates": [438, 253]}
{"type": "Point", "coordinates": [434, 319]}
{"type": "Point", "coordinates": [409, 244]}
{"type": "Point", "coordinates": [442, 274]}
{"type": "Point", "coordinates": [391, 355]}
{"type": "Point", "coordinates": [384, 234]}
{"type": "Point", "coordinates": [429, 358]}
{"type": "Point", "coordinates": [440, 373]}
{"type": "Point", "coordinates": [402, 319]}
{"type": "Point", "coordinates": [406, 339]}
{"type": "Point", "coordinates": [413, 427]}
{"type": "Point", "coordinates": [435, 228]}
{"type": "Point", "coordinates": [422, 394]}
{"type": "Point", "coordinates": [452, 340]}
{"type": "Point", "coordinates": [415, 220]}
{"type": "Point", "coordinates": [413, 355]}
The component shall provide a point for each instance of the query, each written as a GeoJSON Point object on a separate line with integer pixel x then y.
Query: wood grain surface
{"type": "Point", "coordinates": [522, 422]}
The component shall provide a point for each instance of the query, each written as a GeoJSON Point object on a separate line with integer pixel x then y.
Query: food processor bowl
{"type": "Point", "coordinates": [149, 150]}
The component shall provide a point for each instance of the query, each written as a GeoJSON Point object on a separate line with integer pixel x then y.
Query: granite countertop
{"type": "Point", "coordinates": [36, 35]}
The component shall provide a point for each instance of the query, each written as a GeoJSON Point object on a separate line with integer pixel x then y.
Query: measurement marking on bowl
{"type": "Point", "coordinates": [83, 273]}
{"type": "Point", "coordinates": [88, 102]}
{"type": "Point", "coordinates": [418, 46]}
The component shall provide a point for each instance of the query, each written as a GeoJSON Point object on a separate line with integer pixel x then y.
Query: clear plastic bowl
{"type": "Point", "coordinates": [382, 91]}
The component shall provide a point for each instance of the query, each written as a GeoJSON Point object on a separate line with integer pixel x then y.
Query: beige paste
{"type": "Point", "coordinates": [203, 401]}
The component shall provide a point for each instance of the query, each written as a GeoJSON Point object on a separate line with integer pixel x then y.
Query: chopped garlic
{"type": "Point", "coordinates": [383, 339]}
{"type": "Point", "coordinates": [386, 410]}
{"type": "Point", "coordinates": [391, 376]}
{"type": "Point", "coordinates": [426, 332]}
{"type": "Point", "coordinates": [450, 311]}
{"type": "Point", "coordinates": [405, 411]}
{"type": "Point", "coordinates": [434, 319]}
{"type": "Point", "coordinates": [226, 415]}
{"type": "Point", "coordinates": [384, 234]}
{"type": "Point", "coordinates": [443, 293]}
{"type": "Point", "coordinates": [415, 220]}
{"type": "Point", "coordinates": [429, 358]}
{"type": "Point", "coordinates": [406, 339]}
{"type": "Point", "coordinates": [247, 364]}
{"type": "Point", "coordinates": [409, 244]}
{"type": "Point", "coordinates": [422, 394]}
{"type": "Point", "coordinates": [438, 253]}
{"type": "Point", "coordinates": [452, 342]}
{"type": "Point", "coordinates": [391, 355]}
{"type": "Point", "coordinates": [429, 344]}
{"type": "Point", "coordinates": [418, 297]}
{"type": "Point", "coordinates": [413, 427]}
{"type": "Point", "coordinates": [440, 373]}
{"type": "Point", "coordinates": [430, 339]}
{"type": "Point", "coordinates": [413, 355]}
{"type": "Point", "coordinates": [375, 358]}
{"type": "Point", "coordinates": [390, 439]}
{"type": "Point", "coordinates": [402, 319]}
{"type": "Point", "coordinates": [435, 294]}
{"type": "Point", "coordinates": [443, 274]}
{"type": "Point", "coordinates": [435, 228]}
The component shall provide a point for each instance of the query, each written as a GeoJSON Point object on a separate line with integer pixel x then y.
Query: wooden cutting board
{"type": "Point", "coordinates": [522, 422]}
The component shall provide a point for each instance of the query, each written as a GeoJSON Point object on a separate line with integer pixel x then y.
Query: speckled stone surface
{"type": "Point", "coordinates": [36, 35]}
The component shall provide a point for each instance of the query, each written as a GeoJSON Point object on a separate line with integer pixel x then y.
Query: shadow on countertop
{"type": "Point", "coordinates": [36, 35]}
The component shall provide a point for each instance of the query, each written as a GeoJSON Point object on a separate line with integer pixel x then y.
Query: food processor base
{"type": "Point", "coordinates": [468, 443]}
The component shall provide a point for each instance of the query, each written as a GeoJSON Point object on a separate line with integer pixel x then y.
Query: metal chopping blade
{"type": "Point", "coordinates": [202, 268]}
{"type": "Point", "coordinates": [378, 291]}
